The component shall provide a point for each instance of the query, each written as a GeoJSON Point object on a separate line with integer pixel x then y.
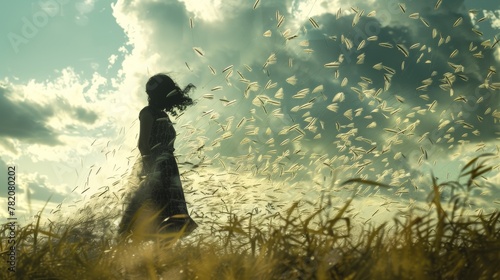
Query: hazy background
{"type": "Point", "coordinates": [73, 75]}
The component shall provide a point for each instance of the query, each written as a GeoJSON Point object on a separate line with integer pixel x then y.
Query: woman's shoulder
{"type": "Point", "coordinates": [146, 112]}
{"type": "Point", "coordinates": [150, 113]}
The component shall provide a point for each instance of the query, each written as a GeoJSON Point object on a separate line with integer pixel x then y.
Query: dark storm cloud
{"type": "Point", "coordinates": [36, 187]}
{"type": "Point", "coordinates": [84, 115]}
{"type": "Point", "coordinates": [467, 117]}
{"type": "Point", "coordinates": [38, 191]}
{"type": "Point", "coordinates": [469, 120]}
{"type": "Point", "coordinates": [26, 121]}
{"type": "Point", "coordinates": [405, 82]}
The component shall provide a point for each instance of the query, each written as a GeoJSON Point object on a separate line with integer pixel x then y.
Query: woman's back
{"type": "Point", "coordinates": [163, 134]}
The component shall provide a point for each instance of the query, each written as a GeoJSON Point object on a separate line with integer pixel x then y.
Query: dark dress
{"type": "Point", "coordinates": [159, 184]}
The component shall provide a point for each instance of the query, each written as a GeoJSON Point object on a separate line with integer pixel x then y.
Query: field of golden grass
{"type": "Point", "coordinates": [443, 244]}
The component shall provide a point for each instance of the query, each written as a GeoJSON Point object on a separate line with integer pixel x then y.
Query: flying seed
{"type": "Point", "coordinates": [256, 4]}
{"type": "Point", "coordinates": [292, 80]}
{"type": "Point", "coordinates": [212, 70]}
{"type": "Point", "coordinates": [318, 89]}
{"type": "Point", "coordinates": [402, 8]}
{"type": "Point", "coordinates": [425, 22]}
{"type": "Point", "coordinates": [199, 51]}
{"type": "Point", "coordinates": [356, 18]}
{"type": "Point", "coordinates": [479, 33]}
{"type": "Point", "coordinates": [333, 107]}
{"type": "Point", "coordinates": [438, 4]}
{"type": "Point", "coordinates": [454, 53]}
{"type": "Point", "coordinates": [458, 22]}
{"type": "Point", "coordinates": [481, 19]}
{"type": "Point", "coordinates": [403, 49]}
{"type": "Point", "coordinates": [313, 22]}
{"type": "Point", "coordinates": [332, 64]}
{"type": "Point", "coordinates": [386, 45]}
{"type": "Point", "coordinates": [414, 16]}
{"type": "Point", "coordinates": [227, 68]}
{"type": "Point", "coordinates": [344, 82]}
{"type": "Point", "coordinates": [280, 21]}
{"type": "Point", "coordinates": [361, 45]}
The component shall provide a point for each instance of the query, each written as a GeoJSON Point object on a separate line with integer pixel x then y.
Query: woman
{"type": "Point", "coordinates": [158, 205]}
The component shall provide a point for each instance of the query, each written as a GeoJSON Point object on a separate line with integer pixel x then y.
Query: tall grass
{"type": "Point", "coordinates": [442, 244]}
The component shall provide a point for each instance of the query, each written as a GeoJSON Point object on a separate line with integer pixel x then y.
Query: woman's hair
{"type": "Point", "coordinates": [165, 94]}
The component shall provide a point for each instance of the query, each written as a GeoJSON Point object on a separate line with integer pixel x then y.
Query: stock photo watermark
{"type": "Point", "coordinates": [11, 224]}
{"type": "Point", "coordinates": [31, 25]}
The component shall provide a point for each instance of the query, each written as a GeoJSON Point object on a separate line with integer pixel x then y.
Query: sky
{"type": "Point", "coordinates": [293, 98]}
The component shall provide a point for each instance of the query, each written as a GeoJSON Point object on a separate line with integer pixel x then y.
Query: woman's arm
{"type": "Point", "coordinates": [146, 124]}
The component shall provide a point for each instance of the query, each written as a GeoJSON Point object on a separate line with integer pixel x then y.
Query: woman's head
{"type": "Point", "coordinates": [164, 93]}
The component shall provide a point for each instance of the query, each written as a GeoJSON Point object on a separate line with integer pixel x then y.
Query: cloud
{"type": "Point", "coordinates": [494, 16]}
{"type": "Point", "coordinates": [83, 8]}
{"type": "Point", "coordinates": [34, 186]}
{"type": "Point", "coordinates": [3, 175]}
{"type": "Point", "coordinates": [26, 122]}
{"type": "Point", "coordinates": [37, 189]}
{"type": "Point", "coordinates": [34, 193]}
{"type": "Point", "coordinates": [42, 112]}
{"type": "Point", "coordinates": [396, 125]}
{"type": "Point", "coordinates": [56, 121]}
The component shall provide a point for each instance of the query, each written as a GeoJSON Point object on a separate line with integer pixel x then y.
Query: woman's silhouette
{"type": "Point", "coordinates": [158, 204]}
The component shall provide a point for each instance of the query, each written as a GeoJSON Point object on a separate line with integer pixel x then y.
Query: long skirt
{"type": "Point", "coordinates": [158, 205]}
